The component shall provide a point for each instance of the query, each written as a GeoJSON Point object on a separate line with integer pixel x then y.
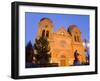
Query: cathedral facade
{"type": "Point", "coordinates": [63, 43]}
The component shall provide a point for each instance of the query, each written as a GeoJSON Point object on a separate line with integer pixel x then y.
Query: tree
{"type": "Point", "coordinates": [76, 60]}
{"type": "Point", "coordinates": [29, 53]}
{"type": "Point", "coordinates": [42, 51]}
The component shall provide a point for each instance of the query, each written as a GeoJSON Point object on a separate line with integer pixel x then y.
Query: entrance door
{"type": "Point", "coordinates": [63, 60]}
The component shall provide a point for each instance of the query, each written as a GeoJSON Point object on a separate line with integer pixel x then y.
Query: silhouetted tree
{"type": "Point", "coordinates": [42, 51]}
{"type": "Point", "coordinates": [76, 60]}
{"type": "Point", "coordinates": [29, 53]}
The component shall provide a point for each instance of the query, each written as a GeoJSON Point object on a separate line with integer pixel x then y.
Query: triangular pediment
{"type": "Point", "coordinates": [62, 31]}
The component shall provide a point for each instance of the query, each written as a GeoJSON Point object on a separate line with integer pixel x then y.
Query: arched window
{"type": "Point", "coordinates": [43, 33]}
{"type": "Point", "coordinates": [47, 34]}
{"type": "Point", "coordinates": [78, 39]}
{"type": "Point", "coordinates": [75, 38]}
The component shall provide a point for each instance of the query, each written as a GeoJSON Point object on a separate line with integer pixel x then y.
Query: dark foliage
{"type": "Point", "coordinates": [41, 46]}
{"type": "Point", "coordinates": [76, 60]}
{"type": "Point", "coordinates": [29, 53]}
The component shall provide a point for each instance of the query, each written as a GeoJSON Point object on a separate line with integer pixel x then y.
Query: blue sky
{"type": "Point", "coordinates": [32, 20]}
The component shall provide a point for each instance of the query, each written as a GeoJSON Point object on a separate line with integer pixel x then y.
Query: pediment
{"type": "Point", "coordinates": [62, 31]}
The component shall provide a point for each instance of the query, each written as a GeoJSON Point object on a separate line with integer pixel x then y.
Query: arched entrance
{"type": "Point", "coordinates": [63, 60]}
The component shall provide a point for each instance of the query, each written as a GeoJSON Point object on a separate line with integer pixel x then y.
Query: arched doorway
{"type": "Point", "coordinates": [63, 60]}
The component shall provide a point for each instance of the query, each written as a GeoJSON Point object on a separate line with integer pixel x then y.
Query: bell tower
{"type": "Point", "coordinates": [75, 33]}
{"type": "Point", "coordinates": [77, 42]}
{"type": "Point", "coordinates": [45, 28]}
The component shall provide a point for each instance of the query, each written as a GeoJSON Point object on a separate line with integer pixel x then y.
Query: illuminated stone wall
{"type": "Point", "coordinates": [63, 43]}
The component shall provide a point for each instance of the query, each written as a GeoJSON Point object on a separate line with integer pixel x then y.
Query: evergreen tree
{"type": "Point", "coordinates": [42, 51]}
{"type": "Point", "coordinates": [29, 52]}
{"type": "Point", "coordinates": [76, 60]}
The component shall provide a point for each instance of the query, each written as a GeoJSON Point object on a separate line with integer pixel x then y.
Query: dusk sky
{"type": "Point", "coordinates": [59, 20]}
